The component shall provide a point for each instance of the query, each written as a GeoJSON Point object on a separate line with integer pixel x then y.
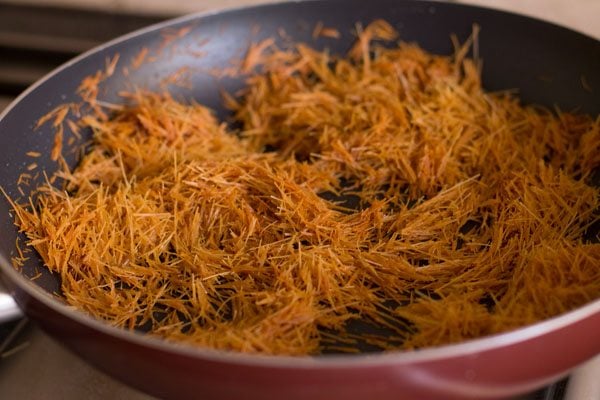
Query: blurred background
{"type": "Point", "coordinates": [36, 36]}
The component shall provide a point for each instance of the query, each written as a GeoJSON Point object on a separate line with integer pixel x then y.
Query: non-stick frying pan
{"type": "Point", "coordinates": [545, 62]}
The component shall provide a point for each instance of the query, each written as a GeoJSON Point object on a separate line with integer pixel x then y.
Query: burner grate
{"type": "Point", "coordinates": [556, 391]}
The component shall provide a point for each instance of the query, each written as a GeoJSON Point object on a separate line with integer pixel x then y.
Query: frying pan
{"type": "Point", "coordinates": [545, 62]}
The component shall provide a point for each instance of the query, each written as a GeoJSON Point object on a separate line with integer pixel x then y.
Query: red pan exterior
{"type": "Point", "coordinates": [516, 52]}
{"type": "Point", "coordinates": [503, 367]}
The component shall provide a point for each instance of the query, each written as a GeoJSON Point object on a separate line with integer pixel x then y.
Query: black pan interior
{"type": "Point", "coordinates": [545, 62]}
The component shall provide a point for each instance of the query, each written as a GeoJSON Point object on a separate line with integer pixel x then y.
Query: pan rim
{"type": "Point", "coordinates": [350, 361]}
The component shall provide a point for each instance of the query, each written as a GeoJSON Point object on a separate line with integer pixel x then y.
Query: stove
{"type": "Point", "coordinates": [34, 39]}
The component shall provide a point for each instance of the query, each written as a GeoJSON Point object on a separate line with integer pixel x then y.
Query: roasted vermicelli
{"type": "Point", "coordinates": [386, 187]}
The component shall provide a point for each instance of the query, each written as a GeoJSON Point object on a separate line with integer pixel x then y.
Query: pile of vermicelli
{"type": "Point", "coordinates": [470, 214]}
